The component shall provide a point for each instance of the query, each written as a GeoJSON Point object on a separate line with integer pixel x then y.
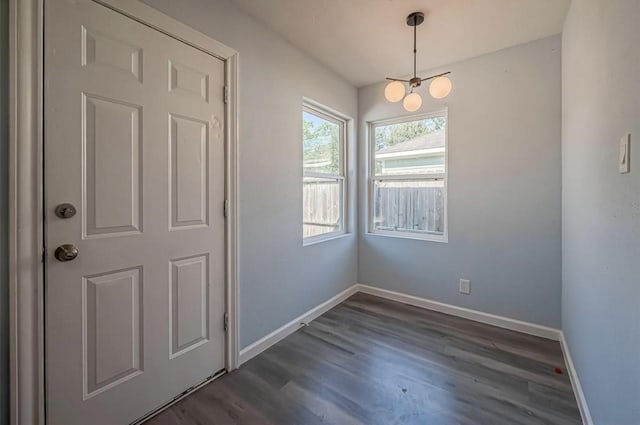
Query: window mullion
{"type": "Point", "coordinates": [434, 176]}
{"type": "Point", "coordinates": [322, 175]}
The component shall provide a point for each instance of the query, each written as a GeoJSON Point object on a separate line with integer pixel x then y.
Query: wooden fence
{"type": "Point", "coordinates": [409, 209]}
{"type": "Point", "coordinates": [400, 206]}
{"type": "Point", "coordinates": [321, 207]}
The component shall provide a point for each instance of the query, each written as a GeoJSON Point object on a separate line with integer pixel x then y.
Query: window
{"type": "Point", "coordinates": [408, 177]}
{"type": "Point", "coordinates": [323, 186]}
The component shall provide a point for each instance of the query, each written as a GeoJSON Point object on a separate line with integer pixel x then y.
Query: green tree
{"type": "Point", "coordinates": [321, 143]}
{"type": "Point", "coordinates": [392, 134]}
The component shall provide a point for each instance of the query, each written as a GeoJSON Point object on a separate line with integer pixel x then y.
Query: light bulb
{"type": "Point", "coordinates": [412, 102]}
{"type": "Point", "coordinates": [440, 87]}
{"type": "Point", "coordinates": [394, 92]}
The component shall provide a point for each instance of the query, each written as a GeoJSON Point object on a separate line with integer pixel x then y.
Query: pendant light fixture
{"type": "Point", "coordinates": [395, 91]}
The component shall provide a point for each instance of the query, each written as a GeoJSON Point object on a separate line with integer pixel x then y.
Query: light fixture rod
{"type": "Point", "coordinates": [422, 79]}
{"type": "Point", "coordinates": [415, 50]}
{"type": "Point", "coordinates": [436, 76]}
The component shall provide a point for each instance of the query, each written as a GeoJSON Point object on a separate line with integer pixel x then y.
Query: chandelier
{"type": "Point", "coordinates": [395, 91]}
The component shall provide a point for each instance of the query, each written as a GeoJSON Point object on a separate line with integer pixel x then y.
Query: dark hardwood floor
{"type": "Point", "coordinates": [372, 361]}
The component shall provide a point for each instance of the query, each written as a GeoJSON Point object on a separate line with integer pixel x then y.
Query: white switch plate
{"type": "Point", "coordinates": [624, 158]}
{"type": "Point", "coordinates": [465, 286]}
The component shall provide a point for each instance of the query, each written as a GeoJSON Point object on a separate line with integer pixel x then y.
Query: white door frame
{"type": "Point", "coordinates": [26, 227]}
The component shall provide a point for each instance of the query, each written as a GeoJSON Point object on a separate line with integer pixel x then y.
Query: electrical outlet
{"type": "Point", "coordinates": [465, 286]}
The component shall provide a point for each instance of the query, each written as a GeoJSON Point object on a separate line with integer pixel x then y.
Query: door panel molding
{"type": "Point", "coordinates": [26, 233]}
{"type": "Point", "coordinates": [189, 207]}
{"type": "Point", "coordinates": [121, 291]}
{"type": "Point", "coordinates": [188, 328]}
{"type": "Point", "coordinates": [110, 213]}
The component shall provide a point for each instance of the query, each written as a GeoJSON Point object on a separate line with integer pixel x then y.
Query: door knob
{"type": "Point", "coordinates": [66, 252]}
{"type": "Point", "coordinates": [65, 210]}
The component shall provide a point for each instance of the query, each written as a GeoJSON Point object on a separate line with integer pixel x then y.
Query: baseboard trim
{"type": "Point", "coordinates": [284, 331]}
{"type": "Point", "coordinates": [554, 334]}
{"type": "Point", "coordinates": [478, 316]}
{"type": "Point", "coordinates": [575, 382]}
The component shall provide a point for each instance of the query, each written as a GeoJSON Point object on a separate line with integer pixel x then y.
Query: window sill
{"type": "Point", "coordinates": [425, 238]}
{"type": "Point", "coordinates": [314, 240]}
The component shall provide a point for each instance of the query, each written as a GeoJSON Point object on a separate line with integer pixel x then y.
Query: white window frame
{"type": "Point", "coordinates": [325, 113]}
{"type": "Point", "coordinates": [372, 178]}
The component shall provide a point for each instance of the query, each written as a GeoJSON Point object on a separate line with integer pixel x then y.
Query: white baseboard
{"type": "Point", "coordinates": [575, 382]}
{"type": "Point", "coordinates": [279, 334]}
{"type": "Point", "coordinates": [478, 316]}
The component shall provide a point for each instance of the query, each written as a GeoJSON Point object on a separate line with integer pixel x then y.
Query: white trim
{"type": "Point", "coordinates": [327, 110]}
{"type": "Point", "coordinates": [411, 154]}
{"type": "Point", "coordinates": [424, 237]}
{"type": "Point", "coordinates": [284, 331]}
{"type": "Point", "coordinates": [401, 177]}
{"type": "Point", "coordinates": [477, 316]}
{"type": "Point", "coordinates": [25, 192]}
{"type": "Point", "coordinates": [325, 176]}
{"type": "Point", "coordinates": [231, 229]}
{"type": "Point", "coordinates": [26, 345]}
{"type": "Point", "coordinates": [165, 24]}
{"type": "Point", "coordinates": [575, 382]}
{"type": "Point", "coordinates": [315, 240]}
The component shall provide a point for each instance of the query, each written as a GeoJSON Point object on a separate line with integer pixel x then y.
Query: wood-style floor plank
{"type": "Point", "coordinates": [371, 361]}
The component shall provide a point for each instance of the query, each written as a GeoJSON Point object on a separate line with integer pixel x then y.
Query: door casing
{"type": "Point", "coordinates": [26, 224]}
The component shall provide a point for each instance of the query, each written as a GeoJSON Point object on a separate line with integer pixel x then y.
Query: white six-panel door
{"type": "Point", "coordinates": [134, 140]}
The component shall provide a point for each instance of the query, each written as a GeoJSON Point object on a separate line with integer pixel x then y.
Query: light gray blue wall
{"type": "Point", "coordinates": [504, 190]}
{"type": "Point", "coordinates": [4, 177]}
{"type": "Point", "coordinates": [279, 278]}
{"type": "Point", "coordinates": [601, 208]}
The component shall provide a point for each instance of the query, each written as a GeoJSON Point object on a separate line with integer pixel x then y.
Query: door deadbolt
{"type": "Point", "coordinates": [65, 210]}
{"type": "Point", "coordinates": [66, 252]}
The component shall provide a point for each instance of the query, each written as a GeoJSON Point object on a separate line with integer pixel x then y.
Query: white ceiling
{"type": "Point", "coordinates": [368, 40]}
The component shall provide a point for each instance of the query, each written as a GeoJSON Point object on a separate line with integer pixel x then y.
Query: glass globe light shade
{"type": "Point", "coordinates": [440, 87]}
{"type": "Point", "coordinates": [412, 102]}
{"type": "Point", "coordinates": [394, 91]}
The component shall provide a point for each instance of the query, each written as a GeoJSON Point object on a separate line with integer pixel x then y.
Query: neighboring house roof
{"type": "Point", "coordinates": [427, 141]}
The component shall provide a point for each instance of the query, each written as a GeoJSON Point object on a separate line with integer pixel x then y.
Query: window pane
{"type": "Point", "coordinates": [320, 144]}
{"type": "Point", "coordinates": [413, 147]}
{"type": "Point", "coordinates": [321, 206]}
{"type": "Point", "coordinates": [409, 206]}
